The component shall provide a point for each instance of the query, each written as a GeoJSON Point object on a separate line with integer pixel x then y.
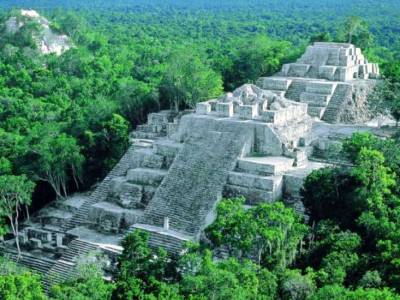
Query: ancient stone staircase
{"type": "Point", "coordinates": [317, 95]}
{"type": "Point", "coordinates": [64, 267]}
{"type": "Point", "coordinates": [170, 240]}
{"type": "Point", "coordinates": [296, 88]}
{"type": "Point", "coordinates": [77, 248]}
{"type": "Point", "coordinates": [100, 193]}
{"type": "Point", "coordinates": [40, 265]}
{"type": "Point", "coordinates": [322, 64]}
{"type": "Point", "coordinates": [332, 111]}
{"type": "Point", "coordinates": [195, 182]}
{"type": "Point", "coordinates": [60, 272]}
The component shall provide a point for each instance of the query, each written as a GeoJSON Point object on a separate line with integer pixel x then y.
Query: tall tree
{"type": "Point", "coordinates": [136, 99]}
{"type": "Point", "coordinates": [254, 58]}
{"type": "Point", "coordinates": [188, 80]}
{"type": "Point", "coordinates": [15, 194]}
{"type": "Point", "coordinates": [53, 157]}
{"type": "Point", "coordinates": [355, 30]}
{"type": "Point", "coordinates": [268, 233]}
{"type": "Point", "coordinates": [140, 271]}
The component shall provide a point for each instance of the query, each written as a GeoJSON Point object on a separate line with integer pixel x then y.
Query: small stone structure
{"type": "Point", "coordinates": [260, 142]}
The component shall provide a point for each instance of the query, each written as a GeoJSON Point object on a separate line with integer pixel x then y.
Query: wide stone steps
{"type": "Point", "coordinates": [298, 70]}
{"type": "Point", "coordinates": [77, 248]}
{"type": "Point", "coordinates": [295, 89]}
{"type": "Point", "coordinates": [313, 72]}
{"type": "Point", "coordinates": [333, 59]}
{"type": "Point", "coordinates": [317, 95]}
{"type": "Point", "coordinates": [195, 181]}
{"type": "Point", "coordinates": [145, 135]}
{"type": "Point", "coordinates": [320, 87]}
{"type": "Point", "coordinates": [171, 241]}
{"type": "Point", "coordinates": [141, 143]}
{"type": "Point", "coordinates": [60, 272]}
{"type": "Point", "coordinates": [268, 183]}
{"type": "Point", "coordinates": [253, 196]}
{"type": "Point", "coordinates": [147, 158]}
{"type": "Point", "coordinates": [313, 99]}
{"type": "Point", "coordinates": [180, 220]}
{"type": "Point", "coordinates": [251, 179]}
{"type": "Point", "coordinates": [342, 92]}
{"type": "Point", "coordinates": [167, 147]}
{"type": "Point", "coordinates": [64, 268]}
{"type": "Point", "coordinates": [40, 265]}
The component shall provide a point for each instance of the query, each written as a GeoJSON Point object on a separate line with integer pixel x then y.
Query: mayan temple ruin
{"type": "Point", "coordinates": [260, 142]}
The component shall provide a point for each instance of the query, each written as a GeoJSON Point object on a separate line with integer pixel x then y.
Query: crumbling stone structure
{"type": "Point", "coordinates": [260, 142]}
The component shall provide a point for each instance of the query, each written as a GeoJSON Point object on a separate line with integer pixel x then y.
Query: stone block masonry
{"type": "Point", "coordinates": [195, 181]}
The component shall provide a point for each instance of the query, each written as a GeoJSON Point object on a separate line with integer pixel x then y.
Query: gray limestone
{"type": "Point", "coordinates": [270, 165]}
{"type": "Point", "coordinates": [195, 180]}
{"type": "Point", "coordinates": [112, 218]}
{"type": "Point", "coordinates": [145, 176]}
{"type": "Point", "coordinates": [268, 183]}
{"type": "Point", "coordinates": [126, 194]}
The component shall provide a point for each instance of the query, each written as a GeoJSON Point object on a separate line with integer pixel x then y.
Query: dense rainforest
{"type": "Point", "coordinates": [65, 121]}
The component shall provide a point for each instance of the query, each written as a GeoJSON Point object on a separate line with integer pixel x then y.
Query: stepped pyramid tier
{"type": "Point", "coordinates": [260, 142]}
{"type": "Point", "coordinates": [334, 79]}
{"type": "Point", "coordinates": [332, 61]}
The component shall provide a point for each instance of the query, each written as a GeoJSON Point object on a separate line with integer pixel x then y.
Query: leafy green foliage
{"type": "Point", "coordinates": [188, 80]}
{"type": "Point", "coordinates": [15, 195]}
{"type": "Point", "coordinates": [62, 117]}
{"type": "Point", "coordinates": [336, 292]}
{"type": "Point", "coordinates": [53, 157]}
{"type": "Point", "coordinates": [360, 251]}
{"type": "Point", "coordinates": [140, 271]}
{"type": "Point", "coordinates": [87, 284]}
{"type": "Point", "coordinates": [259, 57]}
{"type": "Point", "coordinates": [228, 279]}
{"type": "Point", "coordinates": [17, 283]}
{"type": "Point", "coordinates": [355, 31]}
{"type": "Point", "coordinates": [327, 194]}
{"type": "Point", "coordinates": [296, 286]}
{"type": "Point", "coordinates": [270, 232]}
